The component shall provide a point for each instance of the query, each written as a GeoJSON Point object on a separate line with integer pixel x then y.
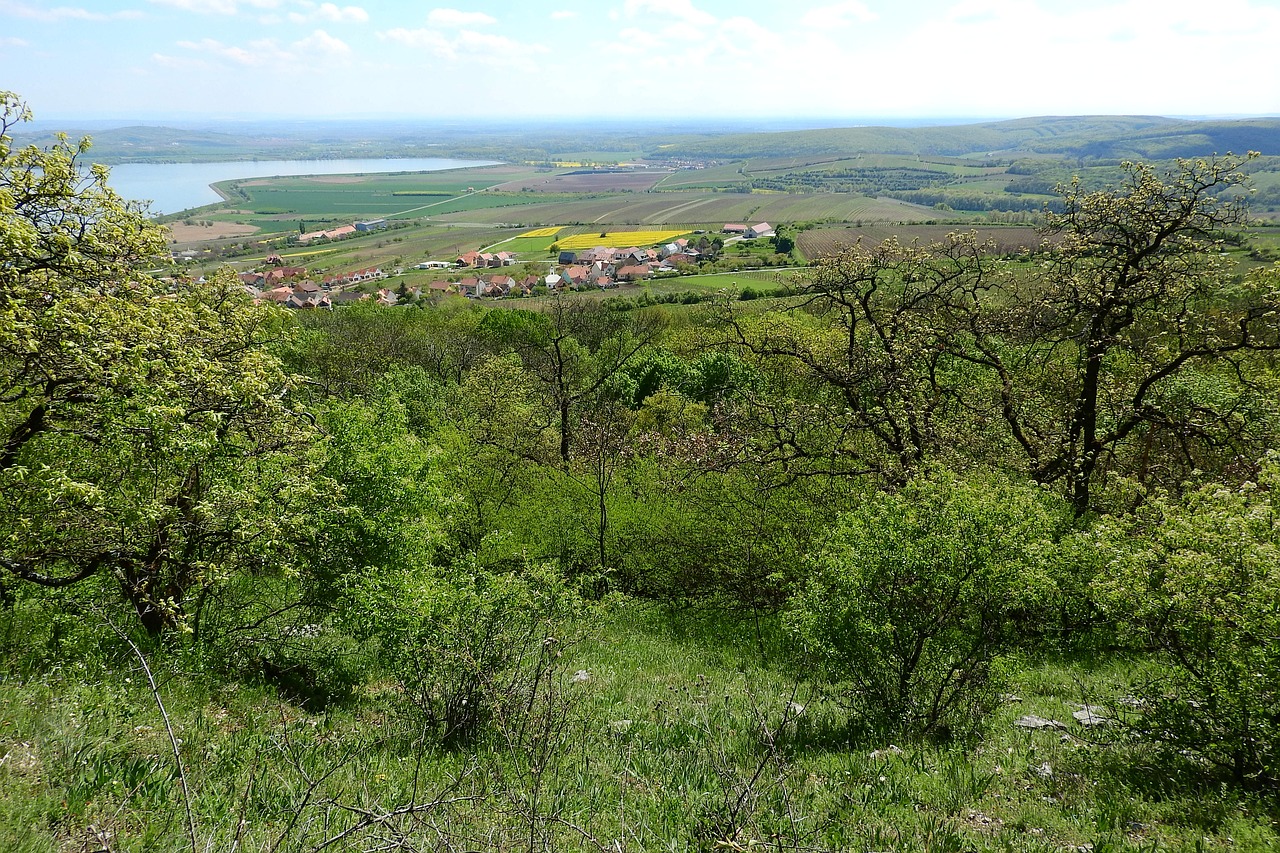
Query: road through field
{"type": "Point", "coordinates": [668, 215]}
{"type": "Point", "coordinates": [449, 200]}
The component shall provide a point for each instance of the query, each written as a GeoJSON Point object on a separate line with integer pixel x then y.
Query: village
{"type": "Point", "coordinates": [599, 268]}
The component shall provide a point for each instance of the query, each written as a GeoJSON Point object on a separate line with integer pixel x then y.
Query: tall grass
{"type": "Point", "coordinates": [669, 730]}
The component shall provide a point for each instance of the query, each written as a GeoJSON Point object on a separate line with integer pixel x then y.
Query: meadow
{"type": "Point", "coordinates": [661, 730]}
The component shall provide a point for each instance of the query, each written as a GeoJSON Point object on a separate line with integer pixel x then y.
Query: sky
{"type": "Point", "coordinates": [700, 59]}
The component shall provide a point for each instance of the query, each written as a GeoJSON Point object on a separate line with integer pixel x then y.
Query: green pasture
{"type": "Point", "coordinates": [492, 202]}
{"type": "Point", "coordinates": [774, 167]}
{"type": "Point", "coordinates": [730, 281]}
{"type": "Point", "coordinates": [367, 196]}
{"type": "Point", "coordinates": [524, 245]}
{"type": "Point", "coordinates": [695, 209]}
{"type": "Point", "coordinates": [716, 176]}
{"type": "Point", "coordinates": [995, 185]}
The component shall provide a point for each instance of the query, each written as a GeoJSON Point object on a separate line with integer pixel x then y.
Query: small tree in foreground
{"type": "Point", "coordinates": [469, 647]}
{"type": "Point", "coordinates": [1199, 580]}
{"type": "Point", "coordinates": [909, 608]}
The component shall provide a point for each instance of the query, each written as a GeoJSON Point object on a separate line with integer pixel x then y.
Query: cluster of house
{"type": "Point", "coordinates": [343, 231]}
{"type": "Point", "coordinates": [481, 260]}
{"type": "Point", "coordinates": [598, 268]}
{"type": "Point", "coordinates": [289, 286]}
{"type": "Point", "coordinates": [749, 232]}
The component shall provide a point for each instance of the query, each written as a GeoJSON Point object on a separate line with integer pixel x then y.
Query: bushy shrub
{"type": "Point", "coordinates": [312, 665]}
{"type": "Point", "coordinates": [1199, 580]}
{"type": "Point", "coordinates": [467, 645]}
{"type": "Point", "coordinates": [909, 610]}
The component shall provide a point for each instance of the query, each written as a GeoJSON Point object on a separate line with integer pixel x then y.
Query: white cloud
{"type": "Point", "coordinates": [750, 37]}
{"type": "Point", "coordinates": [63, 13]}
{"type": "Point", "coordinates": [430, 40]}
{"type": "Point", "coordinates": [257, 53]}
{"type": "Point", "coordinates": [976, 58]}
{"type": "Point", "coordinates": [179, 63]}
{"type": "Point", "coordinates": [262, 53]}
{"type": "Point", "coordinates": [838, 15]}
{"type": "Point", "coordinates": [637, 42]}
{"type": "Point", "coordinates": [330, 12]}
{"type": "Point", "coordinates": [320, 42]}
{"type": "Point", "coordinates": [677, 10]}
{"type": "Point", "coordinates": [494, 49]}
{"type": "Point", "coordinates": [12, 41]}
{"type": "Point", "coordinates": [458, 18]}
{"type": "Point", "coordinates": [217, 7]}
{"type": "Point", "coordinates": [563, 15]}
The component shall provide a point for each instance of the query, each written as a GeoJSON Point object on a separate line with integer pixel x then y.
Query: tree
{"type": "Point", "coordinates": [911, 605]}
{"type": "Point", "coordinates": [1134, 296]}
{"type": "Point", "coordinates": [145, 441]}
{"type": "Point", "coordinates": [1131, 348]}
{"type": "Point", "coordinates": [491, 442]}
{"type": "Point", "coordinates": [574, 350]}
{"type": "Point", "coordinates": [866, 368]}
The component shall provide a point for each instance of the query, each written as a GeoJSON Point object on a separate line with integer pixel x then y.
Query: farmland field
{"type": "Point", "coordinates": [522, 245]}
{"type": "Point", "coordinates": [525, 208]}
{"type": "Point", "coordinates": [704, 210]}
{"type": "Point", "coordinates": [583, 181]}
{"type": "Point", "coordinates": [823, 241]}
{"type": "Point", "coordinates": [617, 239]}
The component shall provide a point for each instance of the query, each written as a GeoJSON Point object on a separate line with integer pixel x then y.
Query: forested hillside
{"type": "Point", "coordinates": [1085, 138]}
{"type": "Point", "coordinates": [1080, 137]}
{"type": "Point", "coordinates": [943, 550]}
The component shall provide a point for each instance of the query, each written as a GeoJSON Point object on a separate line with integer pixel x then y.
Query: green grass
{"type": "Point", "coordinates": [524, 245]}
{"type": "Point", "coordinates": [675, 740]}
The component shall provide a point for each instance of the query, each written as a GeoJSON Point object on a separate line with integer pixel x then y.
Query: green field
{"type": "Point", "coordinates": [848, 191]}
{"type": "Point", "coordinates": [524, 245]}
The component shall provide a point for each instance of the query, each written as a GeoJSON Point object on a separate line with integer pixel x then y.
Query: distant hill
{"type": "Point", "coordinates": [1088, 137]}
{"type": "Point", "coordinates": [1082, 138]}
{"type": "Point", "coordinates": [145, 143]}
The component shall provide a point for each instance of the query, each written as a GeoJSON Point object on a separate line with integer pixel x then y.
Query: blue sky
{"type": "Point", "coordinates": [640, 58]}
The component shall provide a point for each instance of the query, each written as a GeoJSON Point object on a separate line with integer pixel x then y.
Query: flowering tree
{"type": "Point", "coordinates": [146, 449]}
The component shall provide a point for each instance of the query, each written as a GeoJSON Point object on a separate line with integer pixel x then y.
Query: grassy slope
{"type": "Point", "coordinates": [663, 747]}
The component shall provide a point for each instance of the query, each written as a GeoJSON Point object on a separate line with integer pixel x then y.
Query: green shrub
{"type": "Point", "coordinates": [467, 645]}
{"type": "Point", "coordinates": [909, 611]}
{"type": "Point", "coordinates": [312, 665]}
{"type": "Point", "coordinates": [1199, 580]}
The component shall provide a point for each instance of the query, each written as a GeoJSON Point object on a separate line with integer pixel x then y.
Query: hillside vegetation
{"type": "Point", "coordinates": [925, 547]}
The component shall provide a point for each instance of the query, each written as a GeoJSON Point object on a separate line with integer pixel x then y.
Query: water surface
{"type": "Point", "coordinates": [172, 187]}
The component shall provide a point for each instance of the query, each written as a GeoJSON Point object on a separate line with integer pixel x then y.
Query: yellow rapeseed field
{"type": "Point", "coordinates": [544, 232]}
{"type": "Point", "coordinates": [618, 239]}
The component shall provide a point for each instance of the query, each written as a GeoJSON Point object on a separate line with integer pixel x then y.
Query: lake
{"type": "Point", "coordinates": [172, 187]}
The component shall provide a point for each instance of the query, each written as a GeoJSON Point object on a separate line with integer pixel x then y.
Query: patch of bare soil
{"type": "Point", "coordinates": [586, 182]}
{"type": "Point", "coordinates": [180, 233]}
